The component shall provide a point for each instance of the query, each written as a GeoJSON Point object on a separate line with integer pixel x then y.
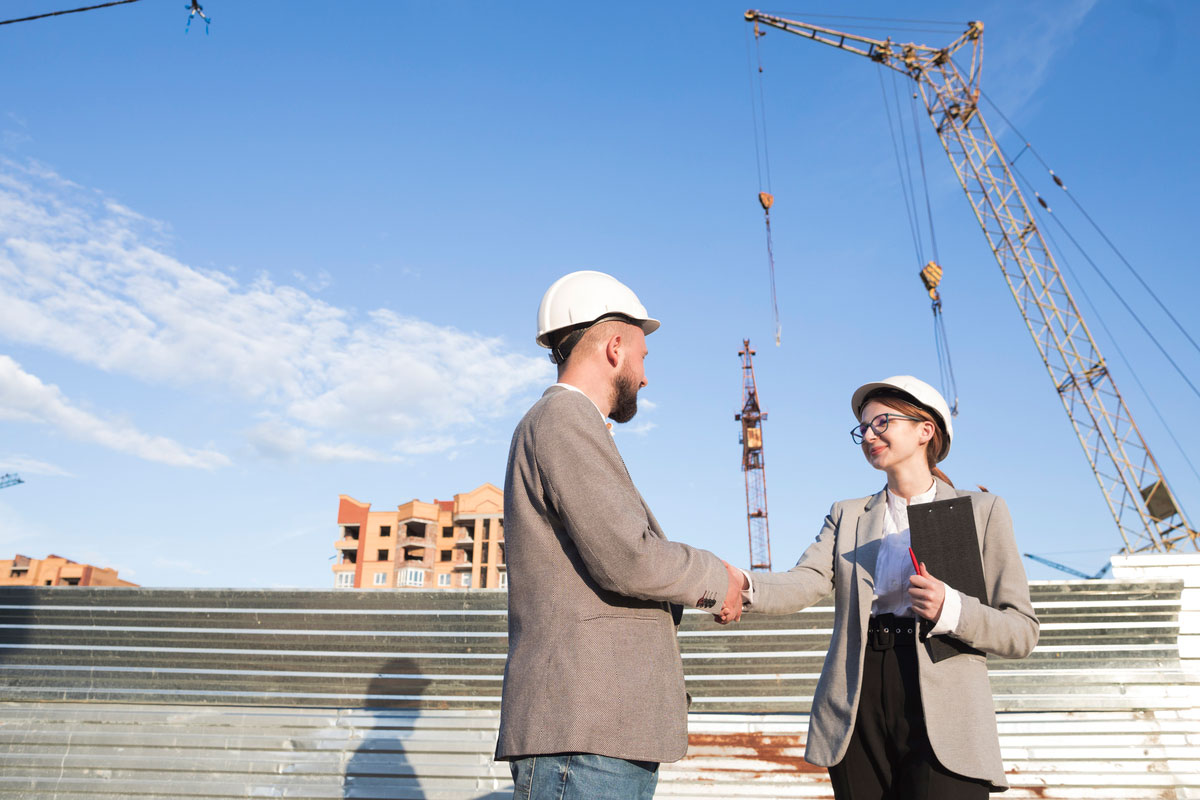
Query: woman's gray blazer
{"type": "Point", "coordinates": [957, 698]}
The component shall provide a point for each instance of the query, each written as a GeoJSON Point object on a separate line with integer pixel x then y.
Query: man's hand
{"type": "Point", "coordinates": [731, 608]}
{"type": "Point", "coordinates": [927, 594]}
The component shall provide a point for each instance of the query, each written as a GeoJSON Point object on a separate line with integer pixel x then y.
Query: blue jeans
{"type": "Point", "coordinates": [582, 776]}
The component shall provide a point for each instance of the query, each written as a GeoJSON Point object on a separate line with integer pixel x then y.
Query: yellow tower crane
{"type": "Point", "coordinates": [753, 464]}
{"type": "Point", "coordinates": [1131, 480]}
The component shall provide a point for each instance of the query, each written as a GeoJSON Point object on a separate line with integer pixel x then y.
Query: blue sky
{"type": "Point", "coordinates": [245, 272]}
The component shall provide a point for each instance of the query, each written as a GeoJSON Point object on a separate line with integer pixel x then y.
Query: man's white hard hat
{"type": "Point", "coordinates": [581, 298]}
{"type": "Point", "coordinates": [921, 392]}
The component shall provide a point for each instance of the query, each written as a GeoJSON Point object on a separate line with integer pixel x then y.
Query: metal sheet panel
{"type": "Point", "coordinates": [210, 694]}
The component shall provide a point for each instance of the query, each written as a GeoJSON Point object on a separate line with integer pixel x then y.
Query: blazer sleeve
{"type": "Point", "coordinates": [588, 487]}
{"type": "Point", "coordinates": [804, 584]}
{"type": "Point", "coordinates": [1007, 626]}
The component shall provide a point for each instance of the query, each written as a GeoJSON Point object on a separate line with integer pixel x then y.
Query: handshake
{"type": "Point", "coordinates": [731, 608]}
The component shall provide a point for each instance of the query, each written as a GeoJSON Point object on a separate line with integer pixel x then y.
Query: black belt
{"type": "Point", "coordinates": [885, 631]}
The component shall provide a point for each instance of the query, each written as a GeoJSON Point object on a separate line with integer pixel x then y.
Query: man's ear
{"type": "Point", "coordinates": [614, 350]}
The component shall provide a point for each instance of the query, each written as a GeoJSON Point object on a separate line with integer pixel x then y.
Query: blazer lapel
{"type": "Point", "coordinates": [867, 535]}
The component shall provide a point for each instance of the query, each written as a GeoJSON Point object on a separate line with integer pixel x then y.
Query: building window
{"type": "Point", "coordinates": [414, 577]}
{"type": "Point", "coordinates": [483, 578]}
{"type": "Point", "coordinates": [487, 529]}
{"type": "Point", "coordinates": [444, 579]}
{"type": "Point", "coordinates": [466, 580]}
{"type": "Point", "coordinates": [381, 579]}
{"type": "Point", "coordinates": [483, 553]}
{"type": "Point", "coordinates": [344, 580]}
{"type": "Point", "coordinates": [448, 532]}
{"type": "Point", "coordinates": [445, 555]}
{"type": "Point", "coordinates": [503, 580]}
{"type": "Point", "coordinates": [383, 555]}
{"type": "Point", "coordinates": [385, 530]}
{"type": "Point", "coordinates": [350, 531]}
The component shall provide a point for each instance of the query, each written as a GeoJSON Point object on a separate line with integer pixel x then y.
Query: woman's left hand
{"type": "Point", "coordinates": [927, 594]}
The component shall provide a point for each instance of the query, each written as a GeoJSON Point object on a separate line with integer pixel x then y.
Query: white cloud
{"type": "Point", "coordinates": [83, 276]}
{"type": "Point", "coordinates": [25, 398]}
{"type": "Point", "coordinates": [320, 283]}
{"type": "Point", "coordinates": [31, 466]}
{"type": "Point", "coordinates": [1024, 61]}
{"type": "Point", "coordinates": [177, 565]}
{"type": "Point", "coordinates": [637, 429]}
{"type": "Point", "coordinates": [279, 440]}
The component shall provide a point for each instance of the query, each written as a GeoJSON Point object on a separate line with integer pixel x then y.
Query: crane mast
{"type": "Point", "coordinates": [752, 418]}
{"type": "Point", "coordinates": [1137, 494]}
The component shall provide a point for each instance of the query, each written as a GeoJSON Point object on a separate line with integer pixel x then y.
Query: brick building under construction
{"type": "Point", "coordinates": [451, 544]}
{"type": "Point", "coordinates": [55, 571]}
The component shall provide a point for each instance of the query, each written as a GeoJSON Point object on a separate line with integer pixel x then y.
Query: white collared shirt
{"type": "Point", "coordinates": [893, 565]}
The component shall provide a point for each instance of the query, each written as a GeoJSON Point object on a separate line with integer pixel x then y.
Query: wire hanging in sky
{"type": "Point", "coordinates": [762, 162]}
{"type": "Point", "coordinates": [67, 11]}
{"type": "Point", "coordinates": [1095, 314]}
{"type": "Point", "coordinates": [1096, 268]}
{"type": "Point", "coordinates": [1059, 182]}
{"type": "Point", "coordinates": [931, 272]}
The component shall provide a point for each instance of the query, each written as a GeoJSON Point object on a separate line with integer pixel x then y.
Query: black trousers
{"type": "Point", "coordinates": [890, 757]}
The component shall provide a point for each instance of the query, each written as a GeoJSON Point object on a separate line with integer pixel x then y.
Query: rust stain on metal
{"type": "Point", "coordinates": [786, 751]}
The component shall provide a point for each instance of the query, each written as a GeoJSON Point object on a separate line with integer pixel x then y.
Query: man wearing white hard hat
{"type": "Point", "coordinates": [593, 695]}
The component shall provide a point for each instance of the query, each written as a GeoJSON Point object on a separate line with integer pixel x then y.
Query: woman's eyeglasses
{"type": "Point", "coordinates": [879, 425]}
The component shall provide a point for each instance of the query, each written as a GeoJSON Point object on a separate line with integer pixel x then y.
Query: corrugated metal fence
{"type": "Point", "coordinates": [206, 694]}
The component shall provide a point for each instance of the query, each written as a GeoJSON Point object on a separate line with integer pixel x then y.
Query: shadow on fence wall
{"type": "Point", "coordinates": [382, 765]}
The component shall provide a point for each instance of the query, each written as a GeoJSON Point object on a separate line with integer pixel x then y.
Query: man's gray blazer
{"type": "Point", "coordinates": [957, 698]}
{"type": "Point", "coordinates": [593, 660]}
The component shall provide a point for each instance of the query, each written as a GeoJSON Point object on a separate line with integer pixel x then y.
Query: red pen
{"type": "Point", "coordinates": [913, 556]}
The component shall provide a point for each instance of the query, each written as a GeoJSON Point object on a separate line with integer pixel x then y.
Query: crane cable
{"type": "Point", "coordinates": [762, 163]}
{"type": "Point", "coordinates": [1059, 182]}
{"type": "Point", "coordinates": [940, 340]}
{"type": "Point", "coordinates": [68, 11]}
{"type": "Point", "coordinates": [930, 272]}
{"type": "Point", "coordinates": [908, 203]}
{"type": "Point", "coordinates": [1095, 313]}
{"type": "Point", "coordinates": [1050, 212]}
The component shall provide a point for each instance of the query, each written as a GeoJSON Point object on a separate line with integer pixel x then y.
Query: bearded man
{"type": "Point", "coordinates": [594, 695]}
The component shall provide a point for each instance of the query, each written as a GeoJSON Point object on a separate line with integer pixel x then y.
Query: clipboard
{"type": "Point", "coordinates": [943, 535]}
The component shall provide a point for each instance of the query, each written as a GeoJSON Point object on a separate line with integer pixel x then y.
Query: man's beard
{"type": "Point", "coordinates": [625, 402]}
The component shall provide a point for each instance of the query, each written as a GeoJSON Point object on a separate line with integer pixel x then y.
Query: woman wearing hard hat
{"type": "Point", "coordinates": [893, 716]}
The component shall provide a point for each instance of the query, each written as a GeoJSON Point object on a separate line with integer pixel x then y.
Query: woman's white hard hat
{"type": "Point", "coordinates": [581, 298]}
{"type": "Point", "coordinates": [925, 396]}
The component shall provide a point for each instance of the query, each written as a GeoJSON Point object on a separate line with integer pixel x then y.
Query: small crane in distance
{"type": "Point", "coordinates": [1070, 570]}
{"type": "Point", "coordinates": [752, 418]}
